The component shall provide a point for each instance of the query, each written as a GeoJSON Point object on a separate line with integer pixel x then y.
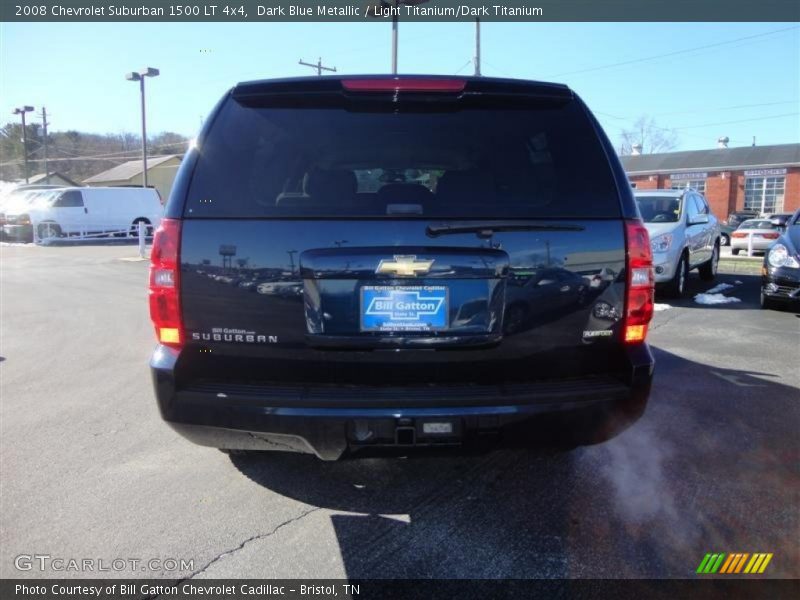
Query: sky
{"type": "Point", "coordinates": [705, 80]}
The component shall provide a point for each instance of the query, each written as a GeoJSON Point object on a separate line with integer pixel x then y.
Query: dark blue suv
{"type": "Point", "coordinates": [398, 261]}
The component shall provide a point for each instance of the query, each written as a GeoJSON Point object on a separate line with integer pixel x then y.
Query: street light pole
{"type": "Point", "coordinates": [144, 135]}
{"type": "Point", "coordinates": [44, 135]}
{"type": "Point", "coordinates": [477, 47]}
{"type": "Point", "coordinates": [394, 36]}
{"type": "Point", "coordinates": [21, 110]}
{"type": "Point", "coordinates": [381, 8]}
{"type": "Point", "coordinates": [139, 76]}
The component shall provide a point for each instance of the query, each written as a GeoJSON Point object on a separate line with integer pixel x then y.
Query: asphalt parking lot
{"type": "Point", "coordinates": [90, 471]}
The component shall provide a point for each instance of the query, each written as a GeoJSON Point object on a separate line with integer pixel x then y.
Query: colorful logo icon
{"type": "Point", "coordinates": [736, 562]}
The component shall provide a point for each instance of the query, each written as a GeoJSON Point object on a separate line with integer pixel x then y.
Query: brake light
{"type": "Point", "coordinates": [165, 283]}
{"type": "Point", "coordinates": [770, 236]}
{"type": "Point", "coordinates": [640, 288]}
{"type": "Point", "coordinates": [404, 85]}
{"type": "Point", "coordinates": [738, 234]}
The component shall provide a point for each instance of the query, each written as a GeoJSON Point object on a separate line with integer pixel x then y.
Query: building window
{"type": "Point", "coordinates": [764, 194]}
{"type": "Point", "coordinates": [696, 184]}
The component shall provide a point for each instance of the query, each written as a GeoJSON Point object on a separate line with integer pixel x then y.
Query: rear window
{"type": "Point", "coordinates": [333, 162]}
{"type": "Point", "coordinates": [757, 224]}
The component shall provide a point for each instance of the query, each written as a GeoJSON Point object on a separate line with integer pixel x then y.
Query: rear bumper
{"type": "Point", "coordinates": [759, 244]}
{"type": "Point", "coordinates": [328, 421]}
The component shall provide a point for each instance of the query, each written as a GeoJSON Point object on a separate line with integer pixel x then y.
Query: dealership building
{"type": "Point", "coordinates": [765, 179]}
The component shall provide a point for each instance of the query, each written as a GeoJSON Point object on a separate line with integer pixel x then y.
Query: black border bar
{"type": "Point", "coordinates": [728, 588]}
{"type": "Point", "coordinates": [416, 10]}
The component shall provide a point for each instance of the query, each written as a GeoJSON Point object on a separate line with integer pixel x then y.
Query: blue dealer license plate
{"type": "Point", "coordinates": [404, 308]}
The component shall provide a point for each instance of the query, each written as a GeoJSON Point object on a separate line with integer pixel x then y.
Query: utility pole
{"type": "Point", "coordinates": [21, 110]}
{"type": "Point", "coordinates": [317, 66]}
{"type": "Point", "coordinates": [477, 47]}
{"type": "Point", "coordinates": [44, 132]}
{"type": "Point", "coordinates": [395, 35]}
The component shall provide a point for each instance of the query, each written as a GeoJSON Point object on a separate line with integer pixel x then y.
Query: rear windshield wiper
{"type": "Point", "coordinates": [486, 229]}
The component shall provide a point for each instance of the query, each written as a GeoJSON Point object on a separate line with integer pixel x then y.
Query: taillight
{"type": "Point", "coordinates": [640, 284]}
{"type": "Point", "coordinates": [770, 236]}
{"type": "Point", "coordinates": [412, 84]}
{"type": "Point", "coordinates": [738, 234]}
{"type": "Point", "coordinates": [165, 306]}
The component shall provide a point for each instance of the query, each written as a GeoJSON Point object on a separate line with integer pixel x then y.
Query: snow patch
{"type": "Point", "coordinates": [658, 307]}
{"type": "Point", "coordinates": [720, 288]}
{"type": "Point", "coordinates": [737, 282]}
{"type": "Point", "coordinates": [715, 299]}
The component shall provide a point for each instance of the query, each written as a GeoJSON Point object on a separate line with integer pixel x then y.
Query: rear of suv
{"type": "Point", "coordinates": [398, 261]}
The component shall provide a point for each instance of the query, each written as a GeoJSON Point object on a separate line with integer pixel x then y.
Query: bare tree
{"type": "Point", "coordinates": [649, 136]}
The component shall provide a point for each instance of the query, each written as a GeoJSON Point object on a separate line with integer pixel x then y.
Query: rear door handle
{"type": "Point", "coordinates": [85, 210]}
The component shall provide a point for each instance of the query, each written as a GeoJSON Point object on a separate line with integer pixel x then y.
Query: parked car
{"type": "Point", "coordinates": [737, 218]}
{"type": "Point", "coordinates": [684, 235]}
{"type": "Point", "coordinates": [81, 211]}
{"type": "Point", "coordinates": [780, 275]}
{"type": "Point", "coordinates": [762, 231]}
{"type": "Point", "coordinates": [398, 336]}
{"type": "Point", "coordinates": [725, 232]}
{"type": "Point", "coordinates": [17, 199]}
{"type": "Point", "coordinates": [780, 219]}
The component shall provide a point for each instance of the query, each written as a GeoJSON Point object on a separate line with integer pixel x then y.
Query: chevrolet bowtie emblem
{"type": "Point", "coordinates": [405, 266]}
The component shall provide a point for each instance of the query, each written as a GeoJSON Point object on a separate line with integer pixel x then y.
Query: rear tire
{"type": "Point", "coordinates": [708, 270]}
{"type": "Point", "coordinates": [724, 240]}
{"type": "Point", "coordinates": [735, 251]}
{"type": "Point", "coordinates": [676, 286]}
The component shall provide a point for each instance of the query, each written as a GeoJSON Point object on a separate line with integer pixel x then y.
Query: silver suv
{"type": "Point", "coordinates": [684, 235]}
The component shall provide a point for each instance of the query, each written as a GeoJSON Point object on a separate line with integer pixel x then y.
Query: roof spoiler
{"type": "Point", "coordinates": [377, 86]}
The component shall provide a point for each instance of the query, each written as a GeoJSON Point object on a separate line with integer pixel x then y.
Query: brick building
{"type": "Point", "coordinates": [761, 178]}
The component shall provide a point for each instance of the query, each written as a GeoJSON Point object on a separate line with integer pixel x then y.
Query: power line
{"type": "Point", "coordinates": [703, 110]}
{"type": "Point", "coordinates": [737, 121]}
{"type": "Point", "coordinates": [674, 53]}
{"type": "Point", "coordinates": [705, 124]}
{"type": "Point", "coordinates": [464, 66]}
{"type": "Point", "coordinates": [114, 156]}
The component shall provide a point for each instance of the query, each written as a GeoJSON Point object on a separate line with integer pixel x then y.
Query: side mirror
{"type": "Point", "coordinates": [698, 219]}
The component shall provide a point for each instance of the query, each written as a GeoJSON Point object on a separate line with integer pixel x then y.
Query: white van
{"type": "Point", "coordinates": [87, 211]}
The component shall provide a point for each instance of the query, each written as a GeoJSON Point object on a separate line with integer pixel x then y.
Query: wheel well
{"type": "Point", "coordinates": [138, 219]}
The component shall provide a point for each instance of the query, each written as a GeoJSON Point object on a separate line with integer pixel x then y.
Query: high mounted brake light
{"type": "Point", "coordinates": [404, 85]}
{"type": "Point", "coordinates": [640, 285]}
{"type": "Point", "coordinates": [165, 302]}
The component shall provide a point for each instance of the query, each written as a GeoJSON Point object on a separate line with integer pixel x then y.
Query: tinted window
{"type": "Point", "coordinates": [756, 224]}
{"type": "Point", "coordinates": [334, 162]}
{"type": "Point", "coordinates": [69, 199]}
{"type": "Point", "coordinates": [659, 209]}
